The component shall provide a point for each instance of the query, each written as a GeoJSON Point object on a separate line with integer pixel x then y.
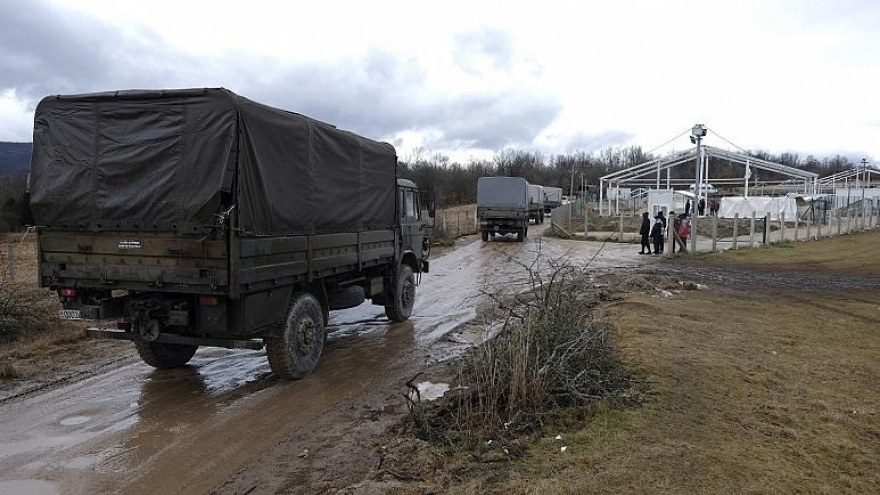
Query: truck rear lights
{"type": "Point", "coordinates": [208, 301]}
{"type": "Point", "coordinates": [68, 292]}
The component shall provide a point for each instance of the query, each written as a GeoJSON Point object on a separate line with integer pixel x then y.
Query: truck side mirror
{"type": "Point", "coordinates": [432, 209]}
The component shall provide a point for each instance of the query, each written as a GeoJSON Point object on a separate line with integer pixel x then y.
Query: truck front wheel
{"type": "Point", "coordinates": [164, 356]}
{"type": "Point", "coordinates": [485, 235]}
{"type": "Point", "coordinates": [294, 350]}
{"type": "Point", "coordinates": [403, 295]}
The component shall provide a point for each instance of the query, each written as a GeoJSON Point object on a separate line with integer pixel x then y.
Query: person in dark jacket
{"type": "Point", "coordinates": [645, 231]}
{"type": "Point", "coordinates": [657, 235]}
{"type": "Point", "coordinates": [701, 207]}
{"type": "Point", "coordinates": [662, 219]}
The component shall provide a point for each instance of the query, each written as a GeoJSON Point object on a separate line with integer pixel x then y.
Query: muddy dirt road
{"type": "Point", "coordinates": [125, 428]}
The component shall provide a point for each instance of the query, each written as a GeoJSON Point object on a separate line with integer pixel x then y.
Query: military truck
{"type": "Point", "coordinates": [552, 198]}
{"type": "Point", "coordinates": [201, 218]}
{"type": "Point", "coordinates": [536, 203]}
{"type": "Point", "coordinates": [503, 206]}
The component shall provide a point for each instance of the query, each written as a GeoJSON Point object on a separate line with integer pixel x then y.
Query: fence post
{"type": "Point", "coordinates": [809, 229]}
{"type": "Point", "coordinates": [839, 222]}
{"type": "Point", "coordinates": [782, 226]}
{"type": "Point", "coordinates": [735, 230]}
{"type": "Point", "coordinates": [620, 236]}
{"type": "Point", "coordinates": [585, 219]}
{"type": "Point", "coordinates": [797, 226]}
{"type": "Point", "coordinates": [767, 229]}
{"type": "Point", "coordinates": [819, 229]}
{"type": "Point", "coordinates": [714, 233]}
{"type": "Point", "coordinates": [848, 220]}
{"type": "Point", "coordinates": [10, 255]}
{"type": "Point", "coordinates": [752, 230]}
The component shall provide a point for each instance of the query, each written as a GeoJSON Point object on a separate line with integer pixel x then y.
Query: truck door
{"type": "Point", "coordinates": [410, 219]}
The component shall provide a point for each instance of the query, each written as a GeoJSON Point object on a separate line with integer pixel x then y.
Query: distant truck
{"type": "Point", "coordinates": [503, 206]}
{"type": "Point", "coordinates": [536, 203]}
{"type": "Point", "coordinates": [552, 198]}
{"type": "Point", "coordinates": [201, 218]}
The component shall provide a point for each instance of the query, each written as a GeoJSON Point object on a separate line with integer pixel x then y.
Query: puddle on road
{"type": "Point", "coordinates": [75, 420]}
{"type": "Point", "coordinates": [28, 487]}
{"type": "Point", "coordinates": [134, 429]}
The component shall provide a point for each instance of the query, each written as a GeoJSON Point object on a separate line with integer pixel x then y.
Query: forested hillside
{"type": "Point", "coordinates": [14, 157]}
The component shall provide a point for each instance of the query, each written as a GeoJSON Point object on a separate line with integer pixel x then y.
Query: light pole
{"type": "Point", "coordinates": [697, 134]}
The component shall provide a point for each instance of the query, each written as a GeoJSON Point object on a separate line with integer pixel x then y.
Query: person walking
{"type": "Point", "coordinates": [687, 208]}
{"type": "Point", "coordinates": [682, 226]}
{"type": "Point", "coordinates": [657, 235]}
{"type": "Point", "coordinates": [701, 207]}
{"type": "Point", "coordinates": [645, 231]}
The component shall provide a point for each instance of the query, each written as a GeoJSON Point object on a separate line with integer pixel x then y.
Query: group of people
{"type": "Point", "coordinates": [701, 207]}
{"type": "Point", "coordinates": [681, 231]}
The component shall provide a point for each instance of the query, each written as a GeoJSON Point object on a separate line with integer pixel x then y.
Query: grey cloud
{"type": "Point", "coordinates": [383, 95]}
{"type": "Point", "coordinates": [593, 142]}
{"type": "Point", "coordinates": [487, 43]}
{"type": "Point", "coordinates": [44, 51]}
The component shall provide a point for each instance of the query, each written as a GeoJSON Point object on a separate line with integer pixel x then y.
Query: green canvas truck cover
{"type": "Point", "coordinates": [172, 160]}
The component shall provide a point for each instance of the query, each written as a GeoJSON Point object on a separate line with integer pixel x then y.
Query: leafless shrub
{"type": "Point", "coordinates": [23, 309]}
{"type": "Point", "coordinates": [552, 352]}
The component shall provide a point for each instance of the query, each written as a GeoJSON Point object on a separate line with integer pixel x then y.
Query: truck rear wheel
{"type": "Point", "coordinates": [403, 295]}
{"type": "Point", "coordinates": [164, 356]}
{"type": "Point", "coordinates": [296, 348]}
{"type": "Point", "coordinates": [485, 235]}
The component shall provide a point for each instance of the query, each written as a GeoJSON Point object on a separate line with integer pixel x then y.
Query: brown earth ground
{"type": "Point", "coordinates": [764, 382]}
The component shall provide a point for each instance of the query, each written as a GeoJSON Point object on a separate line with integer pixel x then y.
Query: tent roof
{"type": "Point", "coordinates": [652, 167]}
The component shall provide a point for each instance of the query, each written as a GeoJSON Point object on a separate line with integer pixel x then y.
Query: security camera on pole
{"type": "Point", "coordinates": [697, 134]}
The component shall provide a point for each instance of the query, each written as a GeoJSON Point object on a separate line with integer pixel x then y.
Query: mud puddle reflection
{"type": "Point", "coordinates": [136, 430]}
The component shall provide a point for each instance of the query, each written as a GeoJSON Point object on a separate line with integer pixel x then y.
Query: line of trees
{"type": "Point", "coordinates": [449, 183]}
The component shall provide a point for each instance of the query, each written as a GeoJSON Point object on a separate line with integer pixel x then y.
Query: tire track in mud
{"type": "Point", "coordinates": [138, 430]}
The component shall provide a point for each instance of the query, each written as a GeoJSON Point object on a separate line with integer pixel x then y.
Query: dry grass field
{"type": "Point", "coordinates": [765, 382]}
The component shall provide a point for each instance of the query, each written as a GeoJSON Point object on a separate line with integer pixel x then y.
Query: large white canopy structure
{"type": "Point", "coordinates": [653, 170]}
{"type": "Point", "coordinates": [857, 177]}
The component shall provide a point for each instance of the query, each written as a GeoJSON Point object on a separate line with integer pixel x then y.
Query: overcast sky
{"type": "Point", "coordinates": [469, 78]}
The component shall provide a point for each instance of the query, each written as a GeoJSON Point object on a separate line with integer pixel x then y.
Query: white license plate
{"type": "Point", "coordinates": [69, 314]}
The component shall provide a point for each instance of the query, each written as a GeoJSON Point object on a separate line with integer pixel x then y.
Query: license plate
{"type": "Point", "coordinates": [69, 314]}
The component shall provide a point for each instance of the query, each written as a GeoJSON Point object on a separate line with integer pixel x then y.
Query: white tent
{"type": "Point", "coordinates": [760, 205]}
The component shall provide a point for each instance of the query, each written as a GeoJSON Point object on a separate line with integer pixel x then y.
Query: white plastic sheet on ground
{"type": "Point", "coordinates": [760, 205]}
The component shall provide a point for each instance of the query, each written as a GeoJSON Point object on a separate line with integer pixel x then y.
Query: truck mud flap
{"type": "Point", "coordinates": [168, 338]}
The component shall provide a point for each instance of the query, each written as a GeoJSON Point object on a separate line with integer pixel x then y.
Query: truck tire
{"type": "Point", "coordinates": [295, 350]}
{"type": "Point", "coordinates": [164, 356]}
{"type": "Point", "coordinates": [345, 297]}
{"type": "Point", "coordinates": [520, 234]}
{"type": "Point", "coordinates": [542, 217]}
{"type": "Point", "coordinates": [485, 235]}
{"type": "Point", "coordinates": [403, 295]}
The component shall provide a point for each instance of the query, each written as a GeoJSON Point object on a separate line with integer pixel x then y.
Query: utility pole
{"type": "Point", "coordinates": [697, 134]}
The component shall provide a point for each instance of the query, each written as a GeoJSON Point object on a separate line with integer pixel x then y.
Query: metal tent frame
{"type": "Point", "coordinates": [657, 166]}
{"type": "Point", "coordinates": [861, 177]}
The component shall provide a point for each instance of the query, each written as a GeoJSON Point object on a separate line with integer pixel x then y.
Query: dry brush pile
{"type": "Point", "coordinates": [551, 352]}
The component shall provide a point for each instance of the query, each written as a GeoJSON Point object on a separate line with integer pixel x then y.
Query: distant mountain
{"type": "Point", "coordinates": [14, 157]}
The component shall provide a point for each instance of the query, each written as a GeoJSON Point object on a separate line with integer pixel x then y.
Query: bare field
{"type": "Point", "coordinates": [765, 382]}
